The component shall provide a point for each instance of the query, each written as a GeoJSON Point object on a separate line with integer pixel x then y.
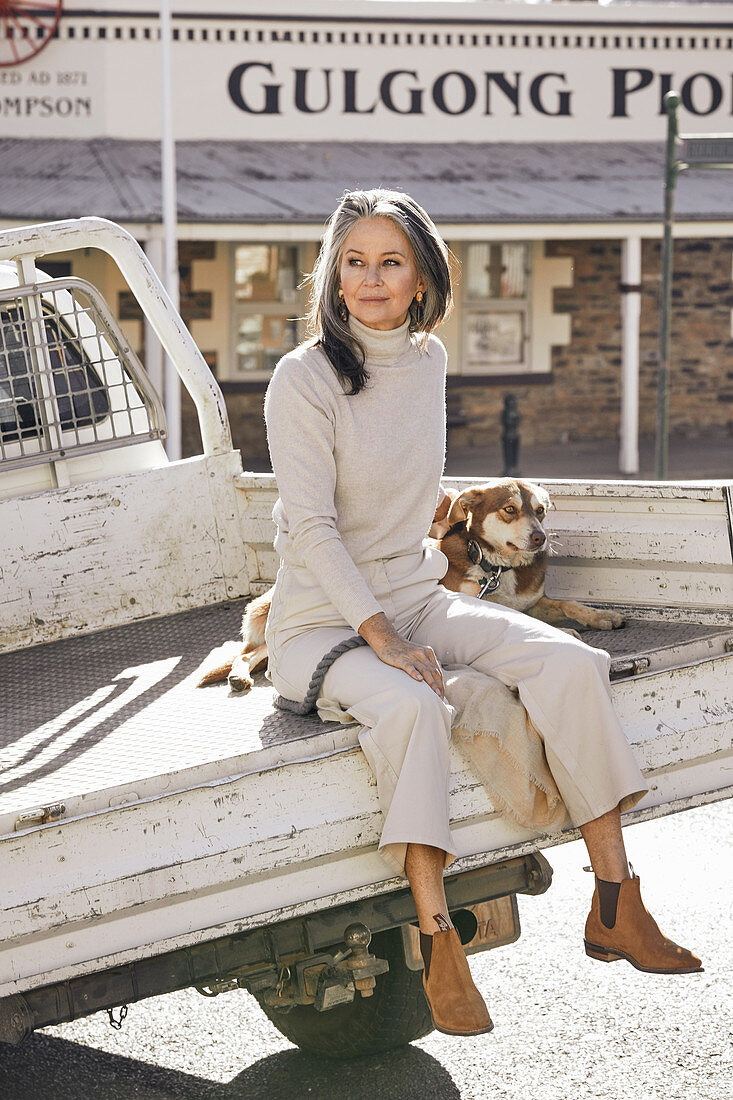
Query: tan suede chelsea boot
{"type": "Point", "coordinates": [455, 1003]}
{"type": "Point", "coordinates": [631, 933]}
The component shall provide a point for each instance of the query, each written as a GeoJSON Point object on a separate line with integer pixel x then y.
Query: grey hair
{"type": "Point", "coordinates": [432, 260]}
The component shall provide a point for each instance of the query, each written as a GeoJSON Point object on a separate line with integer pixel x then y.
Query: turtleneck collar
{"type": "Point", "coordinates": [382, 346]}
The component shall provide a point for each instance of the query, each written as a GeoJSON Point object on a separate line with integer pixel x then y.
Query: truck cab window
{"type": "Point", "coordinates": [80, 394]}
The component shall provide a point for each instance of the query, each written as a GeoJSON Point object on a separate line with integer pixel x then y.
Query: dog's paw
{"type": "Point", "coordinates": [238, 682]}
{"type": "Point", "coordinates": [609, 620]}
{"type": "Point", "coordinates": [239, 677]}
{"type": "Point", "coordinates": [573, 633]}
{"type": "Point", "coordinates": [217, 666]}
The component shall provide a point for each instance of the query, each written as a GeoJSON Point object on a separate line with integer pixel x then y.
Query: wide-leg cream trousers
{"type": "Point", "coordinates": [562, 683]}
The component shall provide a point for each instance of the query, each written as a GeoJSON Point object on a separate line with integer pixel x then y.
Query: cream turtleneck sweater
{"type": "Point", "coordinates": [359, 476]}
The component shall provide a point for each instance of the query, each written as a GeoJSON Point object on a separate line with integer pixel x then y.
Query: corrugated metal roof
{"type": "Point", "coordinates": [301, 182]}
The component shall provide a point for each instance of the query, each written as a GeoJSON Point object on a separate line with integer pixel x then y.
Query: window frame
{"type": "Point", "coordinates": [266, 307]}
{"type": "Point", "coordinates": [477, 307]}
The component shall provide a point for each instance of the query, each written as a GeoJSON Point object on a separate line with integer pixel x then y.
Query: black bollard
{"type": "Point", "coordinates": [510, 418]}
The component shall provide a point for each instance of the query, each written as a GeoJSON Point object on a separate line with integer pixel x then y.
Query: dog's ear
{"type": "Point", "coordinates": [463, 505]}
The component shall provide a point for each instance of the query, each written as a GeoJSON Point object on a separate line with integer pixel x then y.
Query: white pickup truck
{"type": "Point", "coordinates": [154, 836]}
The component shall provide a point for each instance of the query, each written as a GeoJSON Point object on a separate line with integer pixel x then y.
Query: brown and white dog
{"type": "Point", "coordinates": [496, 542]}
{"type": "Point", "coordinates": [496, 546]}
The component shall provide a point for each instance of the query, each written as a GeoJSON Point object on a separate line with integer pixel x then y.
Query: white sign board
{"type": "Point", "coordinates": [380, 72]}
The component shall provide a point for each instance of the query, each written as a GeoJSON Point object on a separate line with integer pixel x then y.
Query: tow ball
{"type": "Point", "coordinates": [326, 981]}
{"type": "Point", "coordinates": [353, 970]}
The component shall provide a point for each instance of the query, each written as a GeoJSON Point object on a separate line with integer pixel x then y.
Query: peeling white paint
{"type": "Point", "coordinates": [145, 544]}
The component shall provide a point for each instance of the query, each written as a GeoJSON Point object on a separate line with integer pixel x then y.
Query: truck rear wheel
{"type": "Point", "coordinates": [395, 1014]}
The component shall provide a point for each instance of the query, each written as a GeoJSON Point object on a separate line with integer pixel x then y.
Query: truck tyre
{"type": "Point", "coordinates": [395, 1014]}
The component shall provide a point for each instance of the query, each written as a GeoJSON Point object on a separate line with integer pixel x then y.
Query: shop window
{"type": "Point", "coordinates": [266, 306]}
{"type": "Point", "coordinates": [496, 308]}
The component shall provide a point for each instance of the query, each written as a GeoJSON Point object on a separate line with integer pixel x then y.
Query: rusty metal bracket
{"type": "Point", "coordinates": [44, 815]}
{"type": "Point", "coordinates": [630, 666]}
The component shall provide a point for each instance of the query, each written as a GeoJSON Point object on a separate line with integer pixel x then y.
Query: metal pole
{"type": "Point", "coordinates": [671, 103]}
{"type": "Point", "coordinates": [630, 318]}
{"type": "Point", "coordinates": [510, 419]}
{"type": "Point", "coordinates": [170, 245]}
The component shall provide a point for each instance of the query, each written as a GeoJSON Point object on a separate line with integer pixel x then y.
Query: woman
{"type": "Point", "coordinates": [356, 430]}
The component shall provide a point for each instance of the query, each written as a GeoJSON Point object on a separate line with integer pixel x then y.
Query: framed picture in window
{"type": "Point", "coordinates": [494, 340]}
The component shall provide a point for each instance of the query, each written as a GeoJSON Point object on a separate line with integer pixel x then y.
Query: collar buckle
{"type": "Point", "coordinates": [493, 572]}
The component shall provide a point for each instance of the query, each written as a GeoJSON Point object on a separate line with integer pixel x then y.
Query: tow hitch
{"type": "Point", "coordinates": [326, 981]}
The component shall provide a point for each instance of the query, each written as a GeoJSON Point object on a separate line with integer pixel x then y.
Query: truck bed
{"type": "Point", "coordinates": [92, 718]}
{"type": "Point", "coordinates": [137, 809]}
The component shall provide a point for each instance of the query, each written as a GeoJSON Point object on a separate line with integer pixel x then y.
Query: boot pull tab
{"type": "Point", "coordinates": [632, 873]}
{"type": "Point", "coordinates": [443, 924]}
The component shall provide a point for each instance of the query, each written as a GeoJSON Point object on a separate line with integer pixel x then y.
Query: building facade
{"type": "Point", "coordinates": [533, 133]}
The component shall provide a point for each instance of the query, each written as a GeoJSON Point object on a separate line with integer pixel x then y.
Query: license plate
{"type": "Point", "coordinates": [498, 924]}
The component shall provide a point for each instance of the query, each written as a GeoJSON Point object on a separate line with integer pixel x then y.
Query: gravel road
{"type": "Point", "coordinates": [566, 1027]}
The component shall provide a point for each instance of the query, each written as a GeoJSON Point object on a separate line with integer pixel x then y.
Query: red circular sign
{"type": "Point", "coordinates": [26, 26]}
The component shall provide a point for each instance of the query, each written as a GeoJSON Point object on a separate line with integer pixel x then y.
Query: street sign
{"type": "Point", "coordinates": [708, 149]}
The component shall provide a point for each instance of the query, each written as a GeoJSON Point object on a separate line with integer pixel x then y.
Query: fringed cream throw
{"type": "Point", "coordinates": [503, 748]}
{"type": "Point", "coordinates": [501, 745]}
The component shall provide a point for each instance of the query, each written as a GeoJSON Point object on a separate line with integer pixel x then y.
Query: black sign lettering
{"type": "Point", "coordinates": [562, 106]}
{"type": "Point", "coordinates": [621, 89]}
{"type": "Point", "coordinates": [665, 85]}
{"type": "Point", "coordinates": [255, 87]}
{"type": "Point", "coordinates": [301, 92]}
{"type": "Point", "coordinates": [350, 107]}
{"type": "Point", "coordinates": [511, 91]}
{"type": "Point", "coordinates": [468, 95]}
{"type": "Point", "coordinates": [714, 93]}
{"type": "Point", "coordinates": [46, 107]}
{"type": "Point", "coordinates": [416, 94]}
{"type": "Point", "coordinates": [271, 105]}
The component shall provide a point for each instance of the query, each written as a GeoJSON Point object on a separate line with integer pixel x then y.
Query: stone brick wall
{"type": "Point", "coordinates": [581, 398]}
{"type": "Point", "coordinates": [701, 382]}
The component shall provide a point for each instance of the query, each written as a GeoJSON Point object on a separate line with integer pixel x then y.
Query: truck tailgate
{"type": "Point", "coordinates": [144, 811]}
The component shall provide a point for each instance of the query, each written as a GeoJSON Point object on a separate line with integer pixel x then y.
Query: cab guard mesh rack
{"type": "Point", "coordinates": [69, 381]}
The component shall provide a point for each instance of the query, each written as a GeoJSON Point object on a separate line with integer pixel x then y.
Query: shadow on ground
{"type": "Point", "coordinates": [48, 1066]}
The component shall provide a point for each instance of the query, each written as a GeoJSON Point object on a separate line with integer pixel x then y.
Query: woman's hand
{"type": "Point", "coordinates": [418, 661]}
{"type": "Point", "coordinates": [440, 526]}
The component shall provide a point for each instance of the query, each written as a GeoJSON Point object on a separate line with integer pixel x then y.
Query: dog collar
{"type": "Point", "coordinates": [493, 572]}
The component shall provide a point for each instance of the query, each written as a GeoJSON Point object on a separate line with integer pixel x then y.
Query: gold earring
{"type": "Point", "coordinates": [342, 310]}
{"type": "Point", "coordinates": [418, 311]}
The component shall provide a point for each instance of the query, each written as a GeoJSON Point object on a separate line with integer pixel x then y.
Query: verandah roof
{"type": "Point", "coordinates": [293, 182]}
